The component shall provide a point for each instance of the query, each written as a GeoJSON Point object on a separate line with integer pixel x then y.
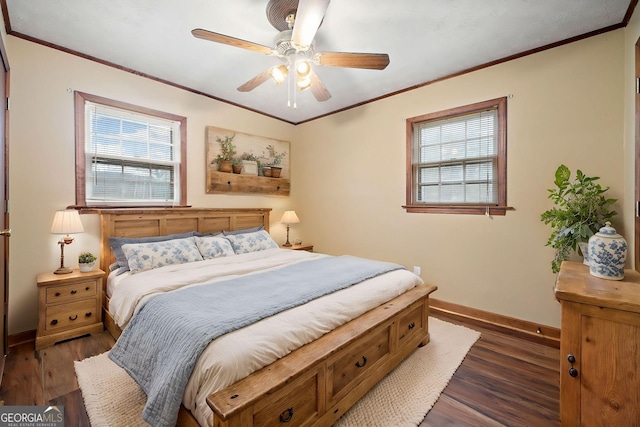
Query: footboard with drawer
{"type": "Point", "coordinates": [318, 383]}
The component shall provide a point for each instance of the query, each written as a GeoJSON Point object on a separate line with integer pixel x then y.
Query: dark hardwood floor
{"type": "Point", "coordinates": [503, 381]}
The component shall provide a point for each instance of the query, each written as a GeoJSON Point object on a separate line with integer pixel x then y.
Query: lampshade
{"type": "Point", "coordinates": [289, 217]}
{"type": "Point", "coordinates": [67, 222]}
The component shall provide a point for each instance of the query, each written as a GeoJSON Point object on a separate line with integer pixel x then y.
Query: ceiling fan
{"type": "Point", "coordinates": [298, 23]}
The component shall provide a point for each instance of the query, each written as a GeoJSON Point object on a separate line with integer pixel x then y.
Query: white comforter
{"type": "Point", "coordinates": [234, 356]}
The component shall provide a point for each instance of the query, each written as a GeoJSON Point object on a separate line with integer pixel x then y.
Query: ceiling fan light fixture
{"type": "Point", "coordinates": [303, 69]}
{"type": "Point", "coordinates": [303, 83]}
{"type": "Point", "coordinates": [279, 73]}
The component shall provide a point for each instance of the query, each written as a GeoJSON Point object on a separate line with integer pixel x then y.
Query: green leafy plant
{"type": "Point", "coordinates": [275, 156]}
{"type": "Point", "coordinates": [581, 209]}
{"type": "Point", "coordinates": [86, 258]}
{"type": "Point", "coordinates": [227, 148]}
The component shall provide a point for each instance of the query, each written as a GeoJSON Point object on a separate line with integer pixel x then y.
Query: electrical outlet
{"type": "Point", "coordinates": [417, 270]}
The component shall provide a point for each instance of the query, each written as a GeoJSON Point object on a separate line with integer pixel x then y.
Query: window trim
{"type": "Point", "coordinates": [79, 102]}
{"type": "Point", "coordinates": [498, 209]}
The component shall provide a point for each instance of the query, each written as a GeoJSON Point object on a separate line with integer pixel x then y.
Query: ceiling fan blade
{"type": "Point", "coordinates": [308, 19]}
{"type": "Point", "coordinates": [318, 88]}
{"type": "Point", "coordinates": [256, 81]}
{"type": "Point", "coordinates": [371, 61]}
{"type": "Point", "coordinates": [231, 41]}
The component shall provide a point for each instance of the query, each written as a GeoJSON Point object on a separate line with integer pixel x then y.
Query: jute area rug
{"type": "Point", "coordinates": [402, 398]}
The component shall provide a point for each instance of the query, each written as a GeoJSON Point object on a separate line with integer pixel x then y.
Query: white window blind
{"type": "Point", "coordinates": [130, 158]}
{"type": "Point", "coordinates": [455, 160]}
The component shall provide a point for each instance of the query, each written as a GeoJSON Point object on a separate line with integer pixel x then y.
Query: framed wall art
{"type": "Point", "coordinates": [238, 162]}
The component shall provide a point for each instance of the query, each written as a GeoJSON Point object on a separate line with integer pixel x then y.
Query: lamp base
{"type": "Point", "coordinates": [63, 270]}
{"type": "Point", "coordinates": [287, 243]}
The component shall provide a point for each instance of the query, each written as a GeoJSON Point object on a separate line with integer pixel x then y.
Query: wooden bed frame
{"type": "Point", "coordinates": [313, 385]}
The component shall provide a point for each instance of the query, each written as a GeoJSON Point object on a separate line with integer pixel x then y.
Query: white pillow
{"type": "Point", "coordinates": [251, 242]}
{"type": "Point", "coordinates": [146, 256]}
{"type": "Point", "coordinates": [214, 247]}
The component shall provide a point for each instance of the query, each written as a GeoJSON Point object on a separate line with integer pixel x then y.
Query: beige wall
{"type": "Point", "coordinates": [566, 108]}
{"type": "Point", "coordinates": [42, 158]}
{"type": "Point", "coordinates": [348, 173]}
{"type": "Point", "coordinates": [632, 34]}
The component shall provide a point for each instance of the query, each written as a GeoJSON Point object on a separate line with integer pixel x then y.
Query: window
{"type": "Point", "coordinates": [456, 160]}
{"type": "Point", "coordinates": [128, 155]}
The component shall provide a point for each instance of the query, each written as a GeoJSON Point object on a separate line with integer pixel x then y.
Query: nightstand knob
{"type": "Point", "coordinates": [54, 322]}
{"type": "Point", "coordinates": [73, 292]}
{"type": "Point", "coordinates": [88, 314]}
{"type": "Point", "coordinates": [57, 294]}
{"type": "Point", "coordinates": [74, 317]}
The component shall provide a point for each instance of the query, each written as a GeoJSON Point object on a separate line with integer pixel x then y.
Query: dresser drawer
{"type": "Point", "coordinates": [71, 292]}
{"type": "Point", "coordinates": [72, 315]}
{"type": "Point", "coordinates": [293, 406]}
{"type": "Point", "coordinates": [410, 325]}
{"type": "Point", "coordinates": [356, 361]}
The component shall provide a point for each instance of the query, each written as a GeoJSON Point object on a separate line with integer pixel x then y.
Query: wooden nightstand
{"type": "Point", "coordinates": [69, 306]}
{"type": "Point", "coordinates": [308, 248]}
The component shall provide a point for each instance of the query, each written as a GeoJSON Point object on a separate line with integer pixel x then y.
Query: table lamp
{"type": "Point", "coordinates": [66, 222]}
{"type": "Point", "coordinates": [289, 218]}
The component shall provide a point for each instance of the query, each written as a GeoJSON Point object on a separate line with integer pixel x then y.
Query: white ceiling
{"type": "Point", "coordinates": [425, 39]}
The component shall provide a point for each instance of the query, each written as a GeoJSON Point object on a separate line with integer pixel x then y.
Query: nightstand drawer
{"type": "Point", "coordinates": [71, 315]}
{"type": "Point", "coordinates": [71, 292]}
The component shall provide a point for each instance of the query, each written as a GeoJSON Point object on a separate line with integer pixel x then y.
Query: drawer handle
{"type": "Point", "coordinates": [57, 294]}
{"type": "Point", "coordinates": [86, 289]}
{"type": "Point", "coordinates": [54, 322]}
{"type": "Point", "coordinates": [573, 372]}
{"type": "Point", "coordinates": [74, 317]}
{"type": "Point", "coordinates": [412, 325]}
{"type": "Point", "coordinates": [73, 292]}
{"type": "Point", "coordinates": [88, 314]}
{"type": "Point", "coordinates": [286, 416]}
{"type": "Point", "coordinates": [364, 362]}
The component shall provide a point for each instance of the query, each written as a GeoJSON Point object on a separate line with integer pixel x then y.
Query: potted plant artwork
{"type": "Point", "coordinates": [275, 159]}
{"type": "Point", "coordinates": [236, 165]}
{"type": "Point", "coordinates": [581, 209]}
{"type": "Point", "coordinates": [86, 261]}
{"type": "Point", "coordinates": [250, 163]}
{"type": "Point", "coordinates": [227, 151]}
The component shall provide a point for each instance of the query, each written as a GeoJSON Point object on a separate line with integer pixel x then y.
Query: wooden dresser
{"type": "Point", "coordinates": [599, 348]}
{"type": "Point", "coordinates": [69, 306]}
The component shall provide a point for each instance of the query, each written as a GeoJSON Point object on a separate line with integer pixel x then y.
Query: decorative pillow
{"type": "Point", "coordinates": [216, 233]}
{"type": "Point", "coordinates": [251, 242]}
{"type": "Point", "coordinates": [117, 242]}
{"type": "Point", "coordinates": [214, 247]}
{"type": "Point", "coordinates": [146, 256]}
{"type": "Point", "coordinates": [243, 231]}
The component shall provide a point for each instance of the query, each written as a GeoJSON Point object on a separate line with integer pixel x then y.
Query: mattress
{"type": "Point", "coordinates": [235, 355]}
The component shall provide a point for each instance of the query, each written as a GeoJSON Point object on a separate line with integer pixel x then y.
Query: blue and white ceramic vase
{"type": "Point", "coordinates": [607, 254]}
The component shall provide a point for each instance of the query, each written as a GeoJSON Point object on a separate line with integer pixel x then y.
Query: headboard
{"type": "Point", "coordinates": [146, 222]}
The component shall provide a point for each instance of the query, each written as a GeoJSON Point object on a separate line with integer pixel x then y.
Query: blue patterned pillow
{"type": "Point", "coordinates": [146, 256]}
{"type": "Point", "coordinates": [214, 247]}
{"type": "Point", "coordinates": [121, 259]}
{"type": "Point", "coordinates": [251, 242]}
